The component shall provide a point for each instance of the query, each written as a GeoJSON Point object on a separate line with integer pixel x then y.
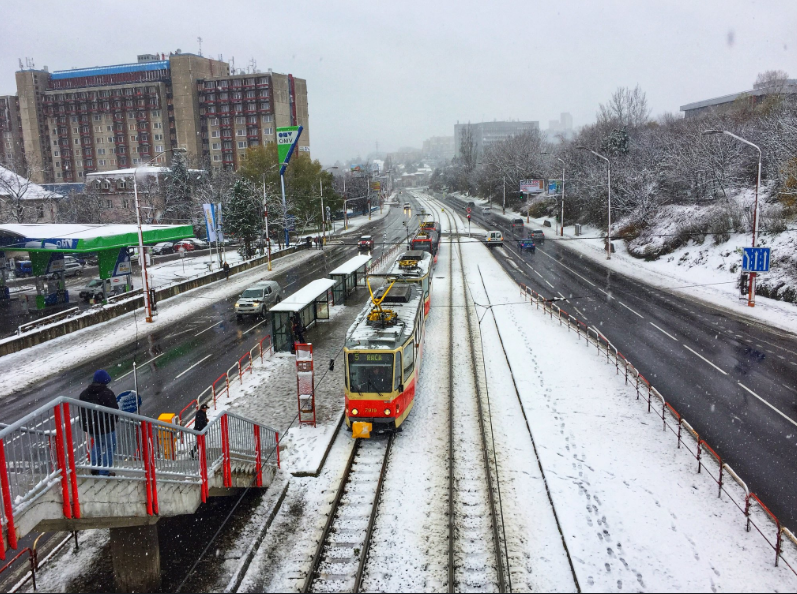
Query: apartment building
{"type": "Point", "coordinates": [87, 120]}
{"type": "Point", "coordinates": [243, 111]}
{"type": "Point", "coordinates": [12, 150]}
{"type": "Point", "coordinates": [486, 133]}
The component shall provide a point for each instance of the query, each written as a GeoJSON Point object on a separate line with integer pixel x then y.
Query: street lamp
{"type": "Point", "coordinates": [323, 212]}
{"type": "Point", "coordinates": [562, 230]}
{"type": "Point", "coordinates": [609, 227]}
{"type": "Point", "coordinates": [751, 292]}
{"type": "Point", "coordinates": [141, 256]}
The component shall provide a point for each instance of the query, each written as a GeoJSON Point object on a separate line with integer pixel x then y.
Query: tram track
{"type": "Point", "coordinates": [467, 570]}
{"type": "Point", "coordinates": [342, 552]}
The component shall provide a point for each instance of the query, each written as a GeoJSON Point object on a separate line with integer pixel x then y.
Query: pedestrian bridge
{"type": "Point", "coordinates": [49, 480]}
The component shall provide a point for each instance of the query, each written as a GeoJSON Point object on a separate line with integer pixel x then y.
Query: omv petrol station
{"type": "Point", "coordinates": [47, 245]}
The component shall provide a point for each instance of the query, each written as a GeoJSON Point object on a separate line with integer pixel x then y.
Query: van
{"type": "Point", "coordinates": [495, 238]}
{"type": "Point", "coordinates": [256, 300]}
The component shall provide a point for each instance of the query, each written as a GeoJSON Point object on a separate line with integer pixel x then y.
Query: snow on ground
{"type": "Point", "coordinates": [702, 272]}
{"type": "Point", "coordinates": [633, 511]}
{"type": "Point", "coordinates": [354, 223]}
{"type": "Point", "coordinates": [53, 356]}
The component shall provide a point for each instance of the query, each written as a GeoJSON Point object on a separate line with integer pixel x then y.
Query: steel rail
{"type": "Point", "coordinates": [450, 426]}
{"type": "Point", "coordinates": [501, 570]}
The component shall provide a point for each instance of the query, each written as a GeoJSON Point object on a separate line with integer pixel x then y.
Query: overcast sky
{"type": "Point", "coordinates": [395, 73]}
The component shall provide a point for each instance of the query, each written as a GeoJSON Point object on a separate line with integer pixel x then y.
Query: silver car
{"type": "Point", "coordinates": [256, 300]}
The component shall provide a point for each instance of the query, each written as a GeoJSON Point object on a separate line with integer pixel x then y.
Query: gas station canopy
{"type": "Point", "coordinates": [85, 238]}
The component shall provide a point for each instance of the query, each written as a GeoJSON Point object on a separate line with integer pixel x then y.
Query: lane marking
{"type": "Point", "coordinates": [789, 419]}
{"type": "Point", "coordinates": [140, 366]}
{"type": "Point", "coordinates": [538, 274]}
{"type": "Point", "coordinates": [255, 326]}
{"type": "Point", "coordinates": [580, 312]}
{"type": "Point", "coordinates": [570, 269]}
{"type": "Point", "coordinates": [549, 284]}
{"type": "Point", "coordinates": [707, 361]}
{"type": "Point", "coordinates": [194, 365]}
{"type": "Point", "coordinates": [665, 332]}
{"type": "Point", "coordinates": [631, 310]}
{"type": "Point", "coordinates": [789, 388]}
{"type": "Point", "coordinates": [208, 328]}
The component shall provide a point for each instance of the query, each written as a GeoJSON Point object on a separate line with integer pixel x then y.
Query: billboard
{"type": "Point", "coordinates": [287, 138]}
{"type": "Point", "coordinates": [532, 186]}
{"type": "Point", "coordinates": [376, 186]}
{"type": "Point", "coordinates": [554, 186]}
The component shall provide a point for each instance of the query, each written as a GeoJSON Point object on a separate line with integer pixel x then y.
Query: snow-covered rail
{"type": "Point", "coordinates": [756, 513]}
{"type": "Point", "coordinates": [342, 551]}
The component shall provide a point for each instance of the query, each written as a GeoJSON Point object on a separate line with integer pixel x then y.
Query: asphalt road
{"type": "Point", "coordinates": [734, 380]}
{"type": "Point", "coordinates": [177, 362]}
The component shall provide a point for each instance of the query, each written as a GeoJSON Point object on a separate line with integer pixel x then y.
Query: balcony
{"type": "Point", "coordinates": [86, 134]}
{"type": "Point", "coordinates": [262, 85]}
{"type": "Point", "coordinates": [141, 116]}
{"type": "Point", "coordinates": [253, 134]}
{"type": "Point", "coordinates": [119, 140]}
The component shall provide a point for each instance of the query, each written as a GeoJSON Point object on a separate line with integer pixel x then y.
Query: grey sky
{"type": "Point", "coordinates": [396, 73]}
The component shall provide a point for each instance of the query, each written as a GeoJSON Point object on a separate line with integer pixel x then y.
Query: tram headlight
{"type": "Point", "coordinates": [355, 412]}
{"type": "Point", "coordinates": [387, 412]}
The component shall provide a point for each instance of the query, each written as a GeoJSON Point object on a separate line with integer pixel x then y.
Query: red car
{"type": "Point", "coordinates": [184, 246]}
{"type": "Point", "coordinates": [366, 243]}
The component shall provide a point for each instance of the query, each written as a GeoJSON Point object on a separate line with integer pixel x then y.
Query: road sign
{"type": "Point", "coordinates": [127, 401]}
{"type": "Point", "coordinates": [756, 259]}
{"type": "Point", "coordinates": [469, 210]}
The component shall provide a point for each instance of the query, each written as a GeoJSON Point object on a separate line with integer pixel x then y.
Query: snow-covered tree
{"type": "Point", "coordinates": [243, 217]}
{"type": "Point", "coordinates": [179, 205]}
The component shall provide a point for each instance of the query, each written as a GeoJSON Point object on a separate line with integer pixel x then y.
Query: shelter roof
{"type": "Point", "coordinates": [305, 296]}
{"type": "Point", "coordinates": [85, 238]}
{"type": "Point", "coordinates": [351, 266]}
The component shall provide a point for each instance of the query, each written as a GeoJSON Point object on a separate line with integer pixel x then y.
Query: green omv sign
{"type": "Point", "coordinates": [286, 143]}
{"type": "Point", "coordinates": [85, 238]}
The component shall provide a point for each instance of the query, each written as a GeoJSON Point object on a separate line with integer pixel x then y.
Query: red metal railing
{"type": "Point", "coordinates": [673, 421]}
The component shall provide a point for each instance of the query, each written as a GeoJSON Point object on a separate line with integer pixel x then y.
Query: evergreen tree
{"type": "Point", "coordinates": [243, 217]}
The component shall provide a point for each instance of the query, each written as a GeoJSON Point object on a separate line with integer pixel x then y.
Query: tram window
{"type": "Point", "coordinates": [409, 360]}
{"type": "Point", "coordinates": [425, 286]}
{"type": "Point", "coordinates": [397, 381]}
{"type": "Point", "coordinates": [370, 372]}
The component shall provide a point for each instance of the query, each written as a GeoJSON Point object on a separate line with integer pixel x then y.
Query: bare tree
{"type": "Point", "coordinates": [626, 107]}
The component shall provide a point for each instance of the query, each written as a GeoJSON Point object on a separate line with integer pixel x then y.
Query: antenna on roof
{"type": "Point", "coordinates": [199, 39]}
{"type": "Point", "coordinates": [20, 64]}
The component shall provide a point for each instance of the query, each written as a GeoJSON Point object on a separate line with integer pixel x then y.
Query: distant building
{"type": "Point", "coordinates": [721, 104]}
{"type": "Point", "coordinates": [439, 148]}
{"type": "Point", "coordinates": [23, 201]}
{"type": "Point", "coordinates": [81, 121]}
{"type": "Point", "coordinates": [561, 128]}
{"type": "Point", "coordinates": [486, 133]}
{"type": "Point", "coordinates": [12, 148]}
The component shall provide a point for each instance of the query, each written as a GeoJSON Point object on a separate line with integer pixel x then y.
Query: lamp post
{"type": "Point", "coordinates": [609, 224]}
{"type": "Point", "coordinates": [141, 256]}
{"type": "Point", "coordinates": [562, 230]}
{"type": "Point", "coordinates": [751, 292]}
{"type": "Point", "coordinates": [323, 212]}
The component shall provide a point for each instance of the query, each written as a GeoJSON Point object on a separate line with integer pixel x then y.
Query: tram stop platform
{"type": "Point", "coordinates": [311, 303]}
{"type": "Point", "coordinates": [348, 276]}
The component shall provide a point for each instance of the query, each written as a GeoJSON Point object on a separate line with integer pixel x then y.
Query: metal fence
{"type": "Point", "coordinates": [757, 515]}
{"type": "Point", "coordinates": [67, 440]}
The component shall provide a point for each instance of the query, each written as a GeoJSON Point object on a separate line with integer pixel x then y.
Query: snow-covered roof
{"type": "Point", "coordinates": [305, 296]}
{"type": "Point", "coordinates": [351, 266]}
{"type": "Point", "coordinates": [11, 182]}
{"type": "Point", "coordinates": [364, 336]}
{"type": "Point", "coordinates": [130, 171]}
{"type": "Point", "coordinates": [421, 270]}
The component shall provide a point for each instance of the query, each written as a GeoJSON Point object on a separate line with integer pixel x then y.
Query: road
{"type": "Point", "coordinates": [732, 379]}
{"type": "Point", "coordinates": [177, 362]}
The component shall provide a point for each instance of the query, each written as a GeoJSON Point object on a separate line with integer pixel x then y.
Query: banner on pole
{"type": "Point", "coordinates": [219, 223]}
{"type": "Point", "coordinates": [286, 143]}
{"type": "Point", "coordinates": [210, 220]}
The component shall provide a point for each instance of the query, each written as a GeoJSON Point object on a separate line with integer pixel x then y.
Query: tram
{"type": "Point", "coordinates": [427, 240]}
{"type": "Point", "coordinates": [382, 356]}
{"type": "Point", "coordinates": [415, 266]}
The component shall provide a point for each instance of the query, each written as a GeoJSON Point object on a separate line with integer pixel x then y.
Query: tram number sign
{"type": "Point", "coordinates": [468, 210]}
{"type": "Point", "coordinates": [755, 259]}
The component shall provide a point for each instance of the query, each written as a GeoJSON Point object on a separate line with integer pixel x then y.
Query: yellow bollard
{"type": "Point", "coordinates": [165, 437]}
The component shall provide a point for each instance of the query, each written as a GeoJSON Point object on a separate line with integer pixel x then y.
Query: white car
{"type": "Point", "coordinates": [256, 300]}
{"type": "Point", "coordinates": [199, 244]}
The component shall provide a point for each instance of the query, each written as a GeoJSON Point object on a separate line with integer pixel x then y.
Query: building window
{"type": "Point", "coordinates": [241, 144]}
{"type": "Point", "coordinates": [158, 148]}
{"type": "Point", "coordinates": [214, 121]}
{"type": "Point", "coordinates": [77, 140]}
{"type": "Point", "coordinates": [214, 134]}
{"type": "Point", "coordinates": [109, 203]}
{"type": "Point", "coordinates": [131, 116]}
{"type": "Point", "coordinates": [216, 146]}
{"type": "Point", "coordinates": [267, 131]}
{"type": "Point", "coordinates": [80, 174]}
{"type": "Point", "coordinates": [157, 125]}
{"type": "Point", "coordinates": [55, 153]}
{"type": "Point", "coordinates": [156, 113]}
{"type": "Point", "coordinates": [158, 136]}
{"type": "Point", "coordinates": [102, 161]}
{"type": "Point", "coordinates": [133, 138]}
{"type": "Point", "coordinates": [240, 132]}
{"type": "Point", "coordinates": [108, 128]}
{"type": "Point", "coordinates": [240, 120]}
{"type": "Point", "coordinates": [125, 203]}
{"type": "Point", "coordinates": [58, 163]}
{"type": "Point", "coordinates": [136, 161]}
{"type": "Point", "coordinates": [267, 118]}
{"type": "Point", "coordinates": [215, 158]}
{"type": "Point", "coordinates": [58, 174]}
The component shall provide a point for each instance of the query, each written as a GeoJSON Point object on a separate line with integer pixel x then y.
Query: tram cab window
{"type": "Point", "coordinates": [409, 360]}
{"type": "Point", "coordinates": [370, 372]}
{"type": "Point", "coordinates": [397, 381]}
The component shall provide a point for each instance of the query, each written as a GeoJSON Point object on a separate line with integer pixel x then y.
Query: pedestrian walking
{"type": "Point", "coordinates": [201, 418]}
{"type": "Point", "coordinates": [226, 268]}
{"type": "Point", "coordinates": [100, 425]}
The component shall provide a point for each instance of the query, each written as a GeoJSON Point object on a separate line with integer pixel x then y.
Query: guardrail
{"type": "Point", "coordinates": [673, 421]}
{"type": "Point", "coordinates": [46, 320]}
{"type": "Point", "coordinates": [66, 440]}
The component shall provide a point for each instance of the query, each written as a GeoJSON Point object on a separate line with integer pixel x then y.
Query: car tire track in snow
{"type": "Point", "coordinates": [342, 551]}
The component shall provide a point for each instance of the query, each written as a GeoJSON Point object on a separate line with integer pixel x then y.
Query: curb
{"type": "Point", "coordinates": [320, 467]}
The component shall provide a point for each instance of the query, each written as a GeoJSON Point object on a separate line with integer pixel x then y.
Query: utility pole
{"type": "Point", "coordinates": [323, 221]}
{"type": "Point", "coordinates": [504, 204]}
{"type": "Point", "coordinates": [265, 218]}
{"type": "Point", "coordinates": [609, 227]}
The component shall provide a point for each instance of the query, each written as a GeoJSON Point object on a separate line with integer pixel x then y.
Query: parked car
{"type": "Point", "coordinates": [256, 300]}
{"type": "Point", "coordinates": [199, 244]}
{"type": "Point", "coordinates": [94, 289]}
{"type": "Point", "coordinates": [23, 268]}
{"type": "Point", "coordinates": [495, 238]}
{"type": "Point", "coordinates": [164, 247]}
{"type": "Point", "coordinates": [366, 243]}
{"type": "Point", "coordinates": [184, 246]}
{"type": "Point", "coordinates": [72, 268]}
{"type": "Point", "coordinates": [538, 236]}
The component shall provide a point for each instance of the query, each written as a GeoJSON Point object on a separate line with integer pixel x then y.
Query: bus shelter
{"type": "Point", "coordinates": [308, 304]}
{"type": "Point", "coordinates": [46, 245]}
{"type": "Point", "coordinates": [348, 275]}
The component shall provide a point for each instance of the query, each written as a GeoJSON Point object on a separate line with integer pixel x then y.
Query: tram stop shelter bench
{"type": "Point", "coordinates": [348, 276]}
{"type": "Point", "coordinates": [311, 303]}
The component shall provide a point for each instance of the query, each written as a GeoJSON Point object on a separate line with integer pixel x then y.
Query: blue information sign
{"type": "Point", "coordinates": [127, 401]}
{"type": "Point", "coordinates": [756, 259]}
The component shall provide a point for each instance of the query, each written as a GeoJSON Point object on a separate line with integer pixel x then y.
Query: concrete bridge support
{"type": "Point", "coordinates": [136, 558]}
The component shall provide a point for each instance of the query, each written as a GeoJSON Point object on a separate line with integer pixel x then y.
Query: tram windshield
{"type": "Point", "coordinates": [370, 372]}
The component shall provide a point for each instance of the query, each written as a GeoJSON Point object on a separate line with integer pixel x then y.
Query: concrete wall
{"type": "Point", "coordinates": [108, 313]}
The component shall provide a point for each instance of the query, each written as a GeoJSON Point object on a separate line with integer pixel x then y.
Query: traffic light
{"type": "Point", "coordinates": [743, 283]}
{"type": "Point", "coordinates": [469, 218]}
